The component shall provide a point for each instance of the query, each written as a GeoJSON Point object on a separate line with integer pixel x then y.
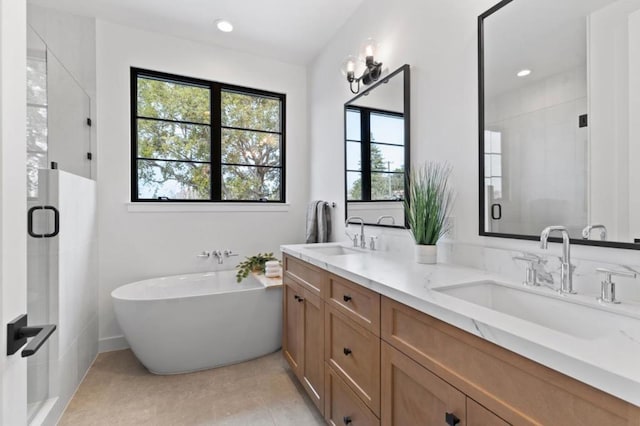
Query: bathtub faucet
{"type": "Point", "coordinates": [218, 255]}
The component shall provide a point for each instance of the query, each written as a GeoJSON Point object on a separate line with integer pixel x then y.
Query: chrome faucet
{"type": "Point", "coordinates": [566, 274]}
{"type": "Point", "coordinates": [386, 216]}
{"type": "Point", "coordinates": [586, 232]}
{"type": "Point", "coordinates": [218, 255]}
{"type": "Point", "coordinates": [363, 243]}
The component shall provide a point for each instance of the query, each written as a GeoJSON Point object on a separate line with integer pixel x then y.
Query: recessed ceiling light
{"type": "Point", "coordinates": [523, 73]}
{"type": "Point", "coordinates": [224, 25]}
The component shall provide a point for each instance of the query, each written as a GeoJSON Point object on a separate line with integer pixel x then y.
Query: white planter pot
{"type": "Point", "coordinates": [426, 254]}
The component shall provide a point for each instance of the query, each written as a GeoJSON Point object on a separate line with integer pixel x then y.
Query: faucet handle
{"type": "Point", "coordinates": [608, 287]}
{"type": "Point", "coordinates": [372, 242]}
{"type": "Point", "coordinates": [230, 253]}
{"type": "Point", "coordinates": [356, 238]}
{"type": "Point", "coordinates": [204, 254]}
{"type": "Point", "coordinates": [531, 273]}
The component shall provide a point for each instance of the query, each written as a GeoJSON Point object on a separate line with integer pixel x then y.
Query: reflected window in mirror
{"type": "Point", "coordinates": [559, 86]}
{"type": "Point", "coordinates": [377, 151]}
{"type": "Point", "coordinates": [375, 155]}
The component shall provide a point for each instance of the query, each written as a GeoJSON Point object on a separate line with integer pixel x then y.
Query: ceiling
{"type": "Point", "coordinates": [289, 30]}
{"type": "Point", "coordinates": [546, 36]}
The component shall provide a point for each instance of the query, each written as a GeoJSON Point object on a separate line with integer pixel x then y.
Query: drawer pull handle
{"type": "Point", "coordinates": [300, 299]}
{"type": "Point", "coordinates": [451, 419]}
{"type": "Point", "coordinates": [346, 351]}
{"type": "Point", "coordinates": [346, 298]}
{"type": "Point", "coordinates": [347, 420]}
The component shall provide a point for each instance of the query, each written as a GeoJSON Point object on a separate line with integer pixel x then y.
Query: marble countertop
{"type": "Point", "coordinates": [610, 362]}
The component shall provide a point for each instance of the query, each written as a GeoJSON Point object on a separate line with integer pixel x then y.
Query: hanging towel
{"type": "Point", "coordinates": [318, 222]}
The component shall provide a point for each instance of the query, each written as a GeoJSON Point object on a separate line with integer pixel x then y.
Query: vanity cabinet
{"type": "Point", "coordinates": [365, 359]}
{"type": "Point", "coordinates": [303, 338]}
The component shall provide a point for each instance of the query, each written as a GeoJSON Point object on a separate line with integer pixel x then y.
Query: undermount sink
{"type": "Point", "coordinates": [550, 311]}
{"type": "Point", "coordinates": [332, 250]}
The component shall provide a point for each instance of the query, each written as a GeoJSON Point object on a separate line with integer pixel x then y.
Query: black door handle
{"type": "Point", "coordinates": [346, 351]}
{"type": "Point", "coordinates": [18, 332]}
{"type": "Point", "coordinates": [346, 298]}
{"type": "Point", "coordinates": [451, 419]}
{"type": "Point", "coordinates": [56, 222]}
{"type": "Point", "coordinates": [347, 420]}
{"type": "Point", "coordinates": [496, 215]}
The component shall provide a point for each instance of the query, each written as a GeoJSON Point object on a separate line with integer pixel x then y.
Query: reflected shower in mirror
{"type": "Point", "coordinates": [559, 101]}
{"type": "Point", "coordinates": [377, 151]}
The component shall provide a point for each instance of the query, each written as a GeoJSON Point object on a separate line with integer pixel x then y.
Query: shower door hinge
{"type": "Point", "coordinates": [583, 121]}
{"type": "Point", "coordinates": [89, 156]}
{"type": "Point", "coordinates": [89, 122]}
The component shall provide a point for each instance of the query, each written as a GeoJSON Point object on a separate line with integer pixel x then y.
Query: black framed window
{"type": "Point", "coordinates": [198, 140]}
{"type": "Point", "coordinates": [375, 154]}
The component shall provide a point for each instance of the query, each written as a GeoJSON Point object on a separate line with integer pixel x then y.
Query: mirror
{"type": "Point", "coordinates": [559, 85]}
{"type": "Point", "coordinates": [376, 131]}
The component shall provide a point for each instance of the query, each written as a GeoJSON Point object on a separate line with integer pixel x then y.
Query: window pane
{"type": "Point", "coordinates": [250, 183]}
{"type": "Point", "coordinates": [35, 161]}
{"type": "Point", "coordinates": [354, 186]}
{"type": "Point", "coordinates": [353, 125]}
{"type": "Point", "coordinates": [387, 186]}
{"type": "Point", "coordinates": [496, 165]}
{"type": "Point", "coordinates": [173, 141]}
{"type": "Point", "coordinates": [173, 101]}
{"type": "Point", "coordinates": [36, 128]}
{"type": "Point", "coordinates": [387, 129]}
{"type": "Point", "coordinates": [37, 78]}
{"type": "Point", "coordinates": [250, 111]}
{"type": "Point", "coordinates": [175, 180]}
{"type": "Point", "coordinates": [255, 148]}
{"type": "Point", "coordinates": [354, 156]}
{"type": "Point", "coordinates": [387, 158]}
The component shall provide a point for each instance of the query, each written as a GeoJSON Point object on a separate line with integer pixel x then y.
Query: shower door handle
{"type": "Point", "coordinates": [56, 222]}
{"type": "Point", "coordinates": [18, 332]}
{"type": "Point", "coordinates": [496, 211]}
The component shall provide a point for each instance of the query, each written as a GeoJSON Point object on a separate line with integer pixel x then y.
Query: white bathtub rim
{"type": "Point", "coordinates": [259, 286]}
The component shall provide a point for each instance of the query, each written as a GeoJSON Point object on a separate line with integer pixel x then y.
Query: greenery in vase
{"type": "Point", "coordinates": [429, 203]}
{"type": "Point", "coordinates": [253, 264]}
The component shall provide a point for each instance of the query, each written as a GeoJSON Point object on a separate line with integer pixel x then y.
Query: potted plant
{"type": "Point", "coordinates": [253, 264]}
{"type": "Point", "coordinates": [428, 207]}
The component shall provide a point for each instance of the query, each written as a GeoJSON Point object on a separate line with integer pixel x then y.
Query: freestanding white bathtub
{"type": "Point", "coordinates": [193, 322]}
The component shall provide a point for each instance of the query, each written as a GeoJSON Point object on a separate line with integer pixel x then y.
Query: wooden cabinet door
{"type": "Point", "coordinates": [477, 415]}
{"type": "Point", "coordinates": [412, 395]}
{"type": "Point", "coordinates": [313, 350]}
{"type": "Point", "coordinates": [293, 330]}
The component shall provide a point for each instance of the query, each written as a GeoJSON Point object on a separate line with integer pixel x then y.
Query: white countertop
{"type": "Point", "coordinates": [610, 363]}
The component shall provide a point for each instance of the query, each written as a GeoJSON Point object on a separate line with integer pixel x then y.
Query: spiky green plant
{"type": "Point", "coordinates": [253, 264]}
{"type": "Point", "coordinates": [429, 203]}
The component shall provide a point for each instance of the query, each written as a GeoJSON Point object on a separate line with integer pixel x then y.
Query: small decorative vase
{"type": "Point", "coordinates": [426, 254]}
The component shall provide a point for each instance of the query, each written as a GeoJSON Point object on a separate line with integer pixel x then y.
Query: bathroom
{"type": "Point", "coordinates": [111, 233]}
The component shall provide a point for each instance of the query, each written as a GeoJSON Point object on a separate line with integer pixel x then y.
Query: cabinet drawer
{"type": "Point", "coordinates": [354, 354]}
{"type": "Point", "coordinates": [515, 388]}
{"type": "Point", "coordinates": [342, 405]}
{"type": "Point", "coordinates": [309, 276]}
{"type": "Point", "coordinates": [356, 302]}
{"type": "Point", "coordinates": [477, 415]}
{"type": "Point", "coordinates": [412, 395]}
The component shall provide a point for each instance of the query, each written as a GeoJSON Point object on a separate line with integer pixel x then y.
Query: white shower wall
{"type": "Point", "coordinates": [66, 269]}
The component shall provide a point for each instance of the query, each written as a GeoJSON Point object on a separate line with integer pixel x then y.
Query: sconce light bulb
{"type": "Point", "coordinates": [349, 67]}
{"type": "Point", "coordinates": [369, 49]}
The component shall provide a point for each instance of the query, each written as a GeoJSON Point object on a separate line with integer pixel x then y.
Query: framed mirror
{"type": "Point", "coordinates": [559, 140]}
{"type": "Point", "coordinates": [377, 151]}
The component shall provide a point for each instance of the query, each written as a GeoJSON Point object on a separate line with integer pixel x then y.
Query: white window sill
{"type": "Point", "coordinates": [162, 207]}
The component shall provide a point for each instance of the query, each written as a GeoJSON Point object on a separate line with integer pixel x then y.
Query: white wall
{"type": "Point", "coordinates": [439, 40]}
{"type": "Point", "coordinates": [141, 244]}
{"type": "Point", "coordinates": [13, 238]}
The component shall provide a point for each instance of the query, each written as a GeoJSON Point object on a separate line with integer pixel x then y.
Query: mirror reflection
{"type": "Point", "coordinates": [377, 151]}
{"type": "Point", "coordinates": [560, 88]}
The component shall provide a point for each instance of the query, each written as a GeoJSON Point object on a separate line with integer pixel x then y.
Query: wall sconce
{"type": "Point", "coordinates": [370, 74]}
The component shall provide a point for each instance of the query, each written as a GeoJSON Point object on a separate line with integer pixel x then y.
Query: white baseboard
{"type": "Point", "coordinates": [113, 343]}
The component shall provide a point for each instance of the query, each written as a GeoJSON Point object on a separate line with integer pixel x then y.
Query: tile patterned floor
{"type": "Point", "coordinates": [118, 390]}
